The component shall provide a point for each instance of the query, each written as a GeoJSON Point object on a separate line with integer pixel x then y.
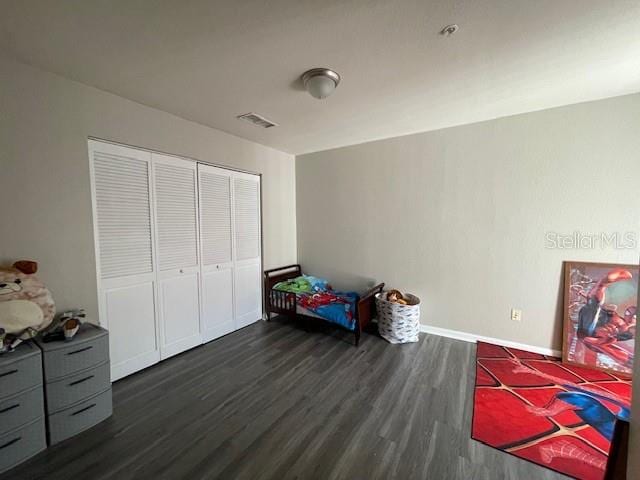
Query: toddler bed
{"type": "Point", "coordinates": [288, 292]}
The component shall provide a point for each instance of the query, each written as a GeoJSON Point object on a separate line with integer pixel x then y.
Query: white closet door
{"type": "Point", "coordinates": [177, 248]}
{"type": "Point", "coordinates": [247, 251]}
{"type": "Point", "coordinates": [217, 259]}
{"type": "Point", "coordinates": [123, 229]}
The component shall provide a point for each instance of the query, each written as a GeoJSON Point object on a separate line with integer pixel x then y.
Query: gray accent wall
{"type": "Point", "coordinates": [463, 216]}
{"type": "Point", "coordinates": [46, 215]}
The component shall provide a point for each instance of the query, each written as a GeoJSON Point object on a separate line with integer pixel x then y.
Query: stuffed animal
{"type": "Point", "coordinates": [66, 326]}
{"type": "Point", "coordinates": [26, 306]}
{"type": "Point", "coordinates": [395, 296]}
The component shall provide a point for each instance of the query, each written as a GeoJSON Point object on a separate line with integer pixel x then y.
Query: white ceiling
{"type": "Point", "coordinates": [208, 61]}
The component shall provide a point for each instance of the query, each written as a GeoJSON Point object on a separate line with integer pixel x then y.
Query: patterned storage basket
{"type": "Point", "coordinates": [398, 323]}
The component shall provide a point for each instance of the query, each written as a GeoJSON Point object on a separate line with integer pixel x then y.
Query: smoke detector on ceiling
{"type": "Point", "coordinates": [449, 30]}
{"type": "Point", "coordinates": [257, 120]}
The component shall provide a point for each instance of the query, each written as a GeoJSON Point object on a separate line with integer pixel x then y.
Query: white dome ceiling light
{"type": "Point", "coordinates": [320, 82]}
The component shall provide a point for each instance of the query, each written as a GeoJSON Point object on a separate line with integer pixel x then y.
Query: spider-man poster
{"type": "Point", "coordinates": [600, 315]}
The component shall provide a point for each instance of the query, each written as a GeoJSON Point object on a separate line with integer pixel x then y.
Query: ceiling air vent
{"type": "Point", "coordinates": [257, 120]}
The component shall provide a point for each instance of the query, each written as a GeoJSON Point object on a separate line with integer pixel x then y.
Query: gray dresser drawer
{"type": "Point", "coordinates": [75, 388]}
{"type": "Point", "coordinates": [20, 370]}
{"type": "Point", "coordinates": [20, 444]}
{"type": "Point", "coordinates": [74, 420]}
{"type": "Point", "coordinates": [21, 409]}
{"type": "Point", "coordinates": [89, 348]}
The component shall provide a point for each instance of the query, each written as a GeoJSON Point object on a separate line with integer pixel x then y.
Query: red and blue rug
{"type": "Point", "coordinates": [536, 408]}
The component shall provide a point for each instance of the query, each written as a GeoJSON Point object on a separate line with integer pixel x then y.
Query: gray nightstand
{"type": "Point", "coordinates": [22, 429]}
{"type": "Point", "coordinates": [77, 382]}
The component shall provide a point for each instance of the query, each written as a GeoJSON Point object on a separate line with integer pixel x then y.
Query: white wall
{"type": "Point", "coordinates": [459, 216]}
{"type": "Point", "coordinates": [44, 173]}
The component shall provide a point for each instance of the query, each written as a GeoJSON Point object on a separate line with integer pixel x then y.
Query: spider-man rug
{"type": "Point", "coordinates": [559, 416]}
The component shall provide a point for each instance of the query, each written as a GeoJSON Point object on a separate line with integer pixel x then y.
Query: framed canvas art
{"type": "Point", "coordinates": [600, 302]}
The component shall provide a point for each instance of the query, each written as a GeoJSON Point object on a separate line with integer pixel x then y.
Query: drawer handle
{"type": "Point", "coordinates": [81, 380]}
{"type": "Point", "coordinates": [84, 409]}
{"type": "Point", "coordinates": [8, 444]}
{"type": "Point", "coordinates": [9, 408]}
{"type": "Point", "coordinates": [10, 372]}
{"type": "Point", "coordinates": [81, 350]}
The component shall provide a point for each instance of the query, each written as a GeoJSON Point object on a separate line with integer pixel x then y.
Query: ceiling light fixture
{"type": "Point", "coordinates": [449, 30]}
{"type": "Point", "coordinates": [320, 82]}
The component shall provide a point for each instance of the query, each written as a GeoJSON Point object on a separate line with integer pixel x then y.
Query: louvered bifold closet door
{"type": "Point", "coordinates": [123, 228]}
{"type": "Point", "coordinates": [176, 203]}
{"type": "Point", "coordinates": [247, 251]}
{"type": "Point", "coordinates": [214, 192]}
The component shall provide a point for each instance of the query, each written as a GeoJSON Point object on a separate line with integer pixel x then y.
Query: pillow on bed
{"type": "Point", "coordinates": [294, 285]}
{"type": "Point", "coordinates": [317, 284]}
{"type": "Point", "coordinates": [303, 284]}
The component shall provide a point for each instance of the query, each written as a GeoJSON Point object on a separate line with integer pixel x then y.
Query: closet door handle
{"type": "Point", "coordinates": [9, 408]}
{"type": "Point", "coordinates": [11, 442]}
{"type": "Point", "coordinates": [6, 374]}
{"type": "Point", "coordinates": [81, 380]}
{"type": "Point", "coordinates": [81, 350]}
{"type": "Point", "coordinates": [84, 409]}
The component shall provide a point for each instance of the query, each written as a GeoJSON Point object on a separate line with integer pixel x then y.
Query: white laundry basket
{"type": "Point", "coordinates": [398, 323]}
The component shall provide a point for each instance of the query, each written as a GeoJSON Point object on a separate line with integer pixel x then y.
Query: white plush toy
{"type": "Point", "coordinates": [26, 306]}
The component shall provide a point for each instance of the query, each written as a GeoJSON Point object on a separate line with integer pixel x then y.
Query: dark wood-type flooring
{"type": "Point", "coordinates": [273, 401]}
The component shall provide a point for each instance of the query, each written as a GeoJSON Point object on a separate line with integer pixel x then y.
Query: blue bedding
{"type": "Point", "coordinates": [317, 296]}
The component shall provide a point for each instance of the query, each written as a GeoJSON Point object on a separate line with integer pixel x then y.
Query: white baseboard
{"type": "Point", "coordinates": [470, 337]}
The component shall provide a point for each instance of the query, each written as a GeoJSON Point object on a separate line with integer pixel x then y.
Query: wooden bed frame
{"type": "Point", "coordinates": [284, 303]}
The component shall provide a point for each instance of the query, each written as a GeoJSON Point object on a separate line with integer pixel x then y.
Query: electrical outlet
{"type": "Point", "coordinates": [516, 315]}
